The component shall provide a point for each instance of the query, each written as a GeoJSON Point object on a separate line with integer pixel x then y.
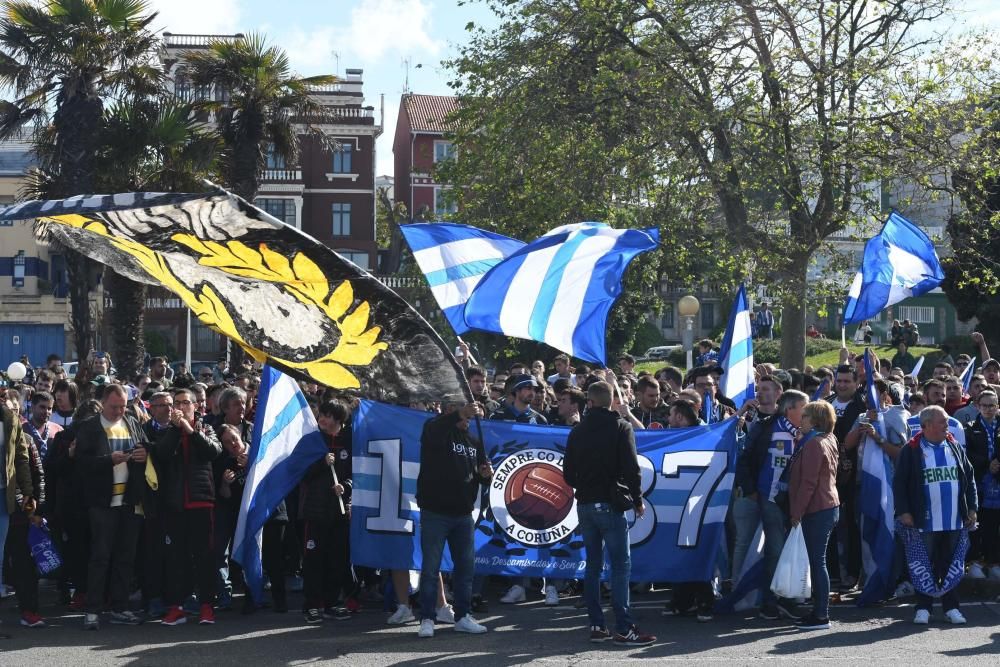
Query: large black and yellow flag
{"type": "Point", "coordinates": [282, 295]}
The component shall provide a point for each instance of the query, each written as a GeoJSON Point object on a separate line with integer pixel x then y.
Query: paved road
{"type": "Point", "coordinates": [520, 634]}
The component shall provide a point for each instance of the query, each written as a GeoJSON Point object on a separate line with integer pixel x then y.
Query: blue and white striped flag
{"type": "Point", "coordinates": [736, 354]}
{"type": "Point", "coordinates": [454, 258]}
{"type": "Point", "coordinates": [878, 544]}
{"type": "Point", "coordinates": [286, 441]}
{"type": "Point", "coordinates": [967, 374]}
{"type": "Point", "coordinates": [917, 366]}
{"type": "Point", "coordinates": [559, 289]}
{"type": "Point", "coordinates": [899, 262]}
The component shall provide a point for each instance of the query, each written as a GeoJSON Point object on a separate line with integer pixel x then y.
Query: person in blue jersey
{"type": "Point", "coordinates": [981, 447]}
{"type": "Point", "coordinates": [934, 394]}
{"type": "Point", "coordinates": [935, 492]}
{"type": "Point", "coordinates": [766, 458]}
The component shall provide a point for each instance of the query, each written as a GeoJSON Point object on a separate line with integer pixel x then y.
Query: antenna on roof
{"type": "Point", "coordinates": [336, 57]}
{"type": "Point", "coordinates": [406, 81]}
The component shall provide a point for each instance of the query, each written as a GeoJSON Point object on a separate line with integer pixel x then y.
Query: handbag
{"type": "Point", "coordinates": [43, 551]}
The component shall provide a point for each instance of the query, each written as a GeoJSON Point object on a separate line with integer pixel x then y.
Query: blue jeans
{"type": "Point", "coordinates": [435, 530]}
{"type": "Point", "coordinates": [775, 531]}
{"type": "Point", "coordinates": [816, 529]}
{"type": "Point", "coordinates": [746, 518]}
{"type": "Point", "coordinates": [602, 526]}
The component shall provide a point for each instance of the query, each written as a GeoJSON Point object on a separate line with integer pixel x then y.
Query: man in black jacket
{"type": "Point", "coordinates": [848, 405]}
{"type": "Point", "coordinates": [111, 459]}
{"type": "Point", "coordinates": [453, 468]}
{"type": "Point", "coordinates": [153, 571]}
{"type": "Point", "coordinates": [935, 492]}
{"type": "Point", "coordinates": [183, 455]}
{"type": "Point", "coordinates": [601, 464]}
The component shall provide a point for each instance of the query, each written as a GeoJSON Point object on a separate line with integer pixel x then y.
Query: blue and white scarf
{"type": "Point", "coordinates": [922, 569]}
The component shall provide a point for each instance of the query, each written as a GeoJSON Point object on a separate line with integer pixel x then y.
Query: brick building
{"type": "Point", "coordinates": [418, 144]}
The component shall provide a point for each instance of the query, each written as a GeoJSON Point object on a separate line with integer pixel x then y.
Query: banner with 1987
{"type": "Point", "coordinates": [526, 522]}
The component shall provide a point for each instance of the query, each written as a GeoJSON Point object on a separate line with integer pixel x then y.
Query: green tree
{"type": "Point", "coordinates": [751, 132]}
{"type": "Point", "coordinates": [265, 106]}
{"type": "Point", "coordinates": [60, 61]}
{"type": "Point", "coordinates": [149, 144]}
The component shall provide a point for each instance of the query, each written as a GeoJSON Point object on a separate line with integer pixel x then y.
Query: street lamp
{"type": "Point", "coordinates": [688, 307]}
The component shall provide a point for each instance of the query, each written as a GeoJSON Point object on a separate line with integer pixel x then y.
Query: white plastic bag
{"type": "Point", "coordinates": [791, 576]}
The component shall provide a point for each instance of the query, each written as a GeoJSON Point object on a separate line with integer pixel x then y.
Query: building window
{"type": "Point", "coordinates": [206, 342]}
{"type": "Point", "coordinates": [281, 208]}
{"type": "Point", "coordinates": [341, 219]}
{"type": "Point", "coordinates": [443, 150]}
{"type": "Point", "coordinates": [444, 204]}
{"type": "Point", "coordinates": [667, 319]}
{"type": "Point", "coordinates": [182, 86]}
{"type": "Point", "coordinates": [359, 257]}
{"type": "Point", "coordinates": [19, 261]}
{"type": "Point", "coordinates": [274, 160]}
{"type": "Point", "coordinates": [917, 314]}
{"type": "Point", "coordinates": [707, 316]}
{"type": "Point", "coordinates": [343, 158]}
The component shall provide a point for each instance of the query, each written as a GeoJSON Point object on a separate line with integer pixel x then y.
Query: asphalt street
{"type": "Point", "coordinates": [518, 634]}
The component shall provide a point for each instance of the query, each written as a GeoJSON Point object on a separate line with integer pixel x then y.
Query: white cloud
{"type": "Point", "coordinates": [376, 28]}
{"type": "Point", "coordinates": [197, 16]}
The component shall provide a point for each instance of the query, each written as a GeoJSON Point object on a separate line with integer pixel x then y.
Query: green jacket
{"type": "Point", "coordinates": [17, 474]}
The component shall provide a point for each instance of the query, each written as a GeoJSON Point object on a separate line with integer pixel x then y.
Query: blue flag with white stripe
{"type": "Point", "coordinates": [878, 544]}
{"type": "Point", "coordinates": [736, 353]}
{"type": "Point", "coordinates": [967, 374]}
{"type": "Point", "coordinates": [454, 258]}
{"type": "Point", "coordinates": [525, 519]}
{"type": "Point", "coordinates": [559, 289]}
{"type": "Point", "coordinates": [286, 441]}
{"type": "Point", "coordinates": [898, 263]}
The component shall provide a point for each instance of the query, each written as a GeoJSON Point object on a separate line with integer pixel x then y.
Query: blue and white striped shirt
{"type": "Point", "coordinates": [940, 488]}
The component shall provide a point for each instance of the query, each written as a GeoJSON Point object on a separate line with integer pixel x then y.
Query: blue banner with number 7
{"type": "Point", "coordinates": [526, 522]}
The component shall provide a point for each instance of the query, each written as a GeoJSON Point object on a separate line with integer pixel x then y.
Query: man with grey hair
{"type": "Point", "coordinates": [763, 461]}
{"type": "Point", "coordinates": [935, 493]}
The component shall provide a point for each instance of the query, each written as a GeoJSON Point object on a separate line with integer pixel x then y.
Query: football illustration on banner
{"type": "Point", "coordinates": [531, 501]}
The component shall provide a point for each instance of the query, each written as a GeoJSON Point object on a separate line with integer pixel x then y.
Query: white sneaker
{"type": "Point", "coordinates": [976, 571]}
{"type": "Point", "coordinates": [515, 594]}
{"type": "Point", "coordinates": [955, 616]}
{"type": "Point", "coordinates": [922, 617]}
{"type": "Point", "coordinates": [446, 614]}
{"type": "Point", "coordinates": [426, 628]}
{"type": "Point", "coordinates": [551, 596]}
{"type": "Point", "coordinates": [468, 624]}
{"type": "Point", "coordinates": [905, 590]}
{"type": "Point", "coordinates": [994, 572]}
{"type": "Point", "coordinates": [402, 615]}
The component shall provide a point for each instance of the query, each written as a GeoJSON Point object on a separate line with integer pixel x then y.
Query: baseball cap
{"type": "Point", "coordinates": [521, 381]}
{"type": "Point", "coordinates": [991, 362]}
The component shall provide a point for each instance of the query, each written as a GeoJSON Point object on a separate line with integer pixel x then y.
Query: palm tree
{"type": "Point", "coordinates": [61, 60]}
{"type": "Point", "coordinates": [264, 107]}
{"type": "Point", "coordinates": [150, 144]}
{"type": "Point", "coordinates": [266, 102]}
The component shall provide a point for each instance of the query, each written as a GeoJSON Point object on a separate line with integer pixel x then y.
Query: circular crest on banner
{"type": "Point", "coordinates": [530, 500]}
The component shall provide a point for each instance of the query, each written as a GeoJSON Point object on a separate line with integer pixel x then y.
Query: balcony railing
{"type": "Point", "coordinates": [170, 40]}
{"type": "Point", "coordinates": [337, 114]}
{"type": "Point", "coordinates": [282, 175]}
{"type": "Point", "coordinates": [327, 88]}
{"type": "Point", "coordinates": [400, 282]}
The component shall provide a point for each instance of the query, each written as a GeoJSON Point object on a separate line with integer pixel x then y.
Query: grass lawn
{"type": "Point", "coordinates": [832, 357]}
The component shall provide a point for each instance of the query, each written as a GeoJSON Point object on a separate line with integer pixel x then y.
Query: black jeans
{"type": "Point", "coordinates": [24, 575]}
{"type": "Point", "coordinates": [153, 573]}
{"type": "Point", "coordinates": [272, 557]}
{"type": "Point", "coordinates": [941, 550]}
{"type": "Point", "coordinates": [191, 564]}
{"type": "Point", "coordinates": [326, 562]}
{"type": "Point", "coordinates": [114, 534]}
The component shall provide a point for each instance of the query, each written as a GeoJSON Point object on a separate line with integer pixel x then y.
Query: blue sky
{"type": "Point", "coordinates": [375, 35]}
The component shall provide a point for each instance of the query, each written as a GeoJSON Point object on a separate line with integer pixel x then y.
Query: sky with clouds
{"type": "Point", "coordinates": [324, 36]}
{"type": "Point", "coordinates": [328, 36]}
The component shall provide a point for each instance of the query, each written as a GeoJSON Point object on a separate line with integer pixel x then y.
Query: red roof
{"type": "Point", "coordinates": [427, 113]}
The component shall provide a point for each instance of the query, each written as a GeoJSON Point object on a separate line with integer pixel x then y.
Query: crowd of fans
{"type": "Point", "coordinates": [139, 481]}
